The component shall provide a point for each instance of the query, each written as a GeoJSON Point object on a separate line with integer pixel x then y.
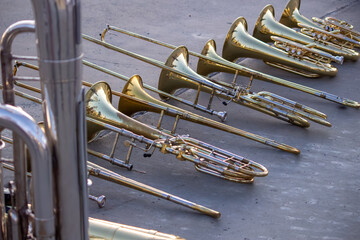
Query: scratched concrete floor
{"type": "Point", "coordinates": [311, 196]}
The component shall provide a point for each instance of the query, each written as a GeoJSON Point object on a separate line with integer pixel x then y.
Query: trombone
{"type": "Point", "coordinates": [105, 174]}
{"type": "Point", "coordinates": [207, 158]}
{"type": "Point", "coordinates": [338, 32]}
{"type": "Point", "coordinates": [210, 61]}
{"type": "Point", "coordinates": [267, 26]}
{"type": "Point", "coordinates": [151, 104]}
{"type": "Point", "coordinates": [177, 62]}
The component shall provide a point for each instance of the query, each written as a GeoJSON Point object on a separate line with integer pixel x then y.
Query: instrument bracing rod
{"type": "Point", "coordinates": [208, 122]}
{"type": "Point", "coordinates": [157, 64]}
{"type": "Point", "coordinates": [250, 72]}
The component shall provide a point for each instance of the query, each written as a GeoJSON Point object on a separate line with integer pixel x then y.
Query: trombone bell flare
{"type": "Point", "coordinates": [291, 15]}
{"type": "Point", "coordinates": [239, 43]}
{"type": "Point", "coordinates": [267, 26]}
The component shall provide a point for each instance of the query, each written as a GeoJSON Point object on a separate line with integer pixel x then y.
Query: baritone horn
{"type": "Point", "coordinates": [339, 32]}
{"type": "Point", "coordinates": [267, 26]}
{"type": "Point", "coordinates": [210, 61]}
{"type": "Point", "coordinates": [177, 74]}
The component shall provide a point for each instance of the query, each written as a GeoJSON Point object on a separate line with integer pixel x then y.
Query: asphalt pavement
{"type": "Point", "coordinates": [313, 195]}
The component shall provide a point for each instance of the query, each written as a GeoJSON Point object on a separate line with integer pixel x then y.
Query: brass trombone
{"type": "Point", "coordinates": [239, 43]}
{"type": "Point", "coordinates": [170, 80]}
{"type": "Point", "coordinates": [151, 104]}
{"type": "Point", "coordinates": [105, 174]}
{"type": "Point", "coordinates": [340, 32]}
{"type": "Point", "coordinates": [210, 61]}
{"type": "Point", "coordinates": [207, 158]}
{"type": "Point", "coordinates": [267, 26]}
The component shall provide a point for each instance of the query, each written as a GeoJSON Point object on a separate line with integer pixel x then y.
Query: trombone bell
{"type": "Point", "coordinates": [239, 43]}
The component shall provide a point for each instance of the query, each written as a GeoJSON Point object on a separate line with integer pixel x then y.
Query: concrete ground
{"type": "Point", "coordinates": [314, 195]}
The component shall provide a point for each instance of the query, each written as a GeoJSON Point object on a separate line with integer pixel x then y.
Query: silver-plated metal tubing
{"type": "Point", "coordinates": [23, 125]}
{"type": "Point", "coordinates": [6, 58]}
{"type": "Point", "coordinates": [58, 38]}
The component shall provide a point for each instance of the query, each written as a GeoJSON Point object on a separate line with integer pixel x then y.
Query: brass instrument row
{"type": "Point", "coordinates": [309, 53]}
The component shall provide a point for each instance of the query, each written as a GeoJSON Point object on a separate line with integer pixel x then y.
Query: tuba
{"type": "Point", "coordinates": [239, 43]}
{"type": "Point", "coordinates": [337, 31]}
{"type": "Point", "coordinates": [267, 26]}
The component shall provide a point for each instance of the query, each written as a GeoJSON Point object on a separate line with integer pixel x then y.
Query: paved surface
{"type": "Point", "coordinates": [311, 196]}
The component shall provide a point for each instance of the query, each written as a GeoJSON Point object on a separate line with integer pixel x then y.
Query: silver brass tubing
{"type": "Point", "coordinates": [23, 125]}
{"type": "Point", "coordinates": [6, 59]}
{"type": "Point", "coordinates": [58, 38]}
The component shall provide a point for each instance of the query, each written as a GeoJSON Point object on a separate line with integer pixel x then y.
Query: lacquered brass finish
{"type": "Point", "coordinates": [239, 43]}
{"type": "Point", "coordinates": [210, 62]}
{"type": "Point", "coordinates": [291, 15]}
{"type": "Point", "coordinates": [337, 31]}
{"type": "Point", "coordinates": [267, 26]}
